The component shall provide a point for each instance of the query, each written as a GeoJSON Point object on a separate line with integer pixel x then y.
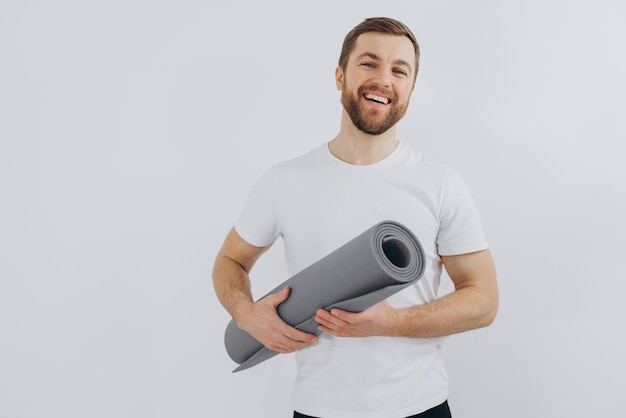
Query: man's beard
{"type": "Point", "coordinates": [370, 123]}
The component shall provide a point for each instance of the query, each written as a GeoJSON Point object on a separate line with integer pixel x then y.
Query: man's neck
{"type": "Point", "coordinates": [358, 148]}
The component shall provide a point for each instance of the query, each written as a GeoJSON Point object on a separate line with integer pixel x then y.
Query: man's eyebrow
{"type": "Point", "coordinates": [368, 55]}
{"type": "Point", "coordinates": [403, 62]}
{"type": "Point", "coordinates": [377, 58]}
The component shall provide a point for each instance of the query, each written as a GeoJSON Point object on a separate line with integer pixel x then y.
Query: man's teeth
{"type": "Point", "coordinates": [378, 99]}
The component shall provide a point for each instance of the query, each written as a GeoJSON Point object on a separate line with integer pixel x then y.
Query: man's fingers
{"type": "Point", "coordinates": [266, 326]}
{"type": "Point", "coordinates": [292, 340]}
{"type": "Point", "coordinates": [287, 339]}
{"type": "Point", "coordinates": [300, 336]}
{"type": "Point", "coordinates": [335, 318]}
{"type": "Point", "coordinates": [278, 297]}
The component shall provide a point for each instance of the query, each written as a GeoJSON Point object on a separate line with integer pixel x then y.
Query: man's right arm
{"type": "Point", "coordinates": [260, 319]}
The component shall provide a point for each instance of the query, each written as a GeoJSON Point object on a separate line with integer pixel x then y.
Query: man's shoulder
{"type": "Point", "coordinates": [422, 161]}
{"type": "Point", "coordinates": [312, 157]}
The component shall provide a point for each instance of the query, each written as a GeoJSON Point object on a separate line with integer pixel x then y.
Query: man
{"type": "Point", "coordinates": [384, 362]}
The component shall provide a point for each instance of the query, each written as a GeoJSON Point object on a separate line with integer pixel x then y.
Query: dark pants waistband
{"type": "Point", "coordinates": [440, 411]}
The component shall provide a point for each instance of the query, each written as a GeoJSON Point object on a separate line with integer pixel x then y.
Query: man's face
{"type": "Point", "coordinates": [378, 81]}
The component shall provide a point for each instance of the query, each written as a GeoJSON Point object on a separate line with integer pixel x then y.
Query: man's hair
{"type": "Point", "coordinates": [380, 25]}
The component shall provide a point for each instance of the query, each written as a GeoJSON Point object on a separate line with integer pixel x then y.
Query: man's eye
{"type": "Point", "coordinates": [400, 71]}
{"type": "Point", "coordinates": [368, 64]}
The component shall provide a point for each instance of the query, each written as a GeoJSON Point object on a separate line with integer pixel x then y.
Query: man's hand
{"type": "Point", "coordinates": [473, 304]}
{"type": "Point", "coordinates": [260, 319]}
{"type": "Point", "coordinates": [376, 320]}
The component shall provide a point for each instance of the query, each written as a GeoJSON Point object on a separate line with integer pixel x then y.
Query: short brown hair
{"type": "Point", "coordinates": [381, 25]}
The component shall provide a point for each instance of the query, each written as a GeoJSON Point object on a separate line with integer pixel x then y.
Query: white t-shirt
{"type": "Point", "coordinates": [317, 203]}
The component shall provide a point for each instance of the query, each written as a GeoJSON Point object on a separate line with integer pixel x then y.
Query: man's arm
{"type": "Point", "coordinates": [260, 319]}
{"type": "Point", "coordinates": [473, 304]}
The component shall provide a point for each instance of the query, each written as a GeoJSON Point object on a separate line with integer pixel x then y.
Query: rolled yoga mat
{"type": "Point", "coordinates": [368, 269]}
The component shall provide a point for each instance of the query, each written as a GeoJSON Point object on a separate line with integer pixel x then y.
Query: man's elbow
{"type": "Point", "coordinates": [490, 310]}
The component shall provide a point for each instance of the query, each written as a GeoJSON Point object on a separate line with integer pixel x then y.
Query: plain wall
{"type": "Point", "coordinates": [131, 132]}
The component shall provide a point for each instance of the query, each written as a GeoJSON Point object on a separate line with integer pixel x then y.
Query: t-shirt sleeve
{"type": "Point", "coordinates": [460, 228]}
{"type": "Point", "coordinates": [258, 221]}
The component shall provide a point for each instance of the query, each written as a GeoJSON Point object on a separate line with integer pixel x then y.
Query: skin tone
{"type": "Point", "coordinates": [376, 87]}
{"type": "Point", "coordinates": [383, 66]}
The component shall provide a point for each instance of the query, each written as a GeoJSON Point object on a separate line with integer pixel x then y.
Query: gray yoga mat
{"type": "Point", "coordinates": [368, 269]}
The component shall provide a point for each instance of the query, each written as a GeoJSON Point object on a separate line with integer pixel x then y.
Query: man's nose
{"type": "Point", "coordinates": [382, 77]}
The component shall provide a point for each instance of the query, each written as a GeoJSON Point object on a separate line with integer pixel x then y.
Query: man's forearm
{"type": "Point", "coordinates": [260, 319]}
{"type": "Point", "coordinates": [462, 310]}
{"type": "Point", "coordinates": [232, 285]}
{"type": "Point", "coordinates": [472, 305]}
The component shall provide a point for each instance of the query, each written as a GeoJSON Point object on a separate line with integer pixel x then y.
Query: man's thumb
{"type": "Point", "coordinates": [279, 297]}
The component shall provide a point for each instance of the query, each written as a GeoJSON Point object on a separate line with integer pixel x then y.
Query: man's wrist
{"type": "Point", "coordinates": [242, 311]}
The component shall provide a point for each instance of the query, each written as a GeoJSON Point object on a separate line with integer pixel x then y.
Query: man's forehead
{"type": "Point", "coordinates": [385, 46]}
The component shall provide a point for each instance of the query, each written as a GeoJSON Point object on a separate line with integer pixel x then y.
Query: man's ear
{"type": "Point", "coordinates": [339, 78]}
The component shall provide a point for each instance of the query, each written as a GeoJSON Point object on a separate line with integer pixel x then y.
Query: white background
{"type": "Point", "coordinates": [131, 131]}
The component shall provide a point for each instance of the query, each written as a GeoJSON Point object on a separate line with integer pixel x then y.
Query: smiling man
{"type": "Point", "coordinates": [386, 361]}
{"type": "Point", "coordinates": [383, 106]}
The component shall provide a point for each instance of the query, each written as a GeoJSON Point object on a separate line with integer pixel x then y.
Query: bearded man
{"type": "Point", "coordinates": [386, 361]}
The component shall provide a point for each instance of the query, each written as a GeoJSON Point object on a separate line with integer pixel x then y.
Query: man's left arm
{"type": "Point", "coordinates": [473, 304]}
